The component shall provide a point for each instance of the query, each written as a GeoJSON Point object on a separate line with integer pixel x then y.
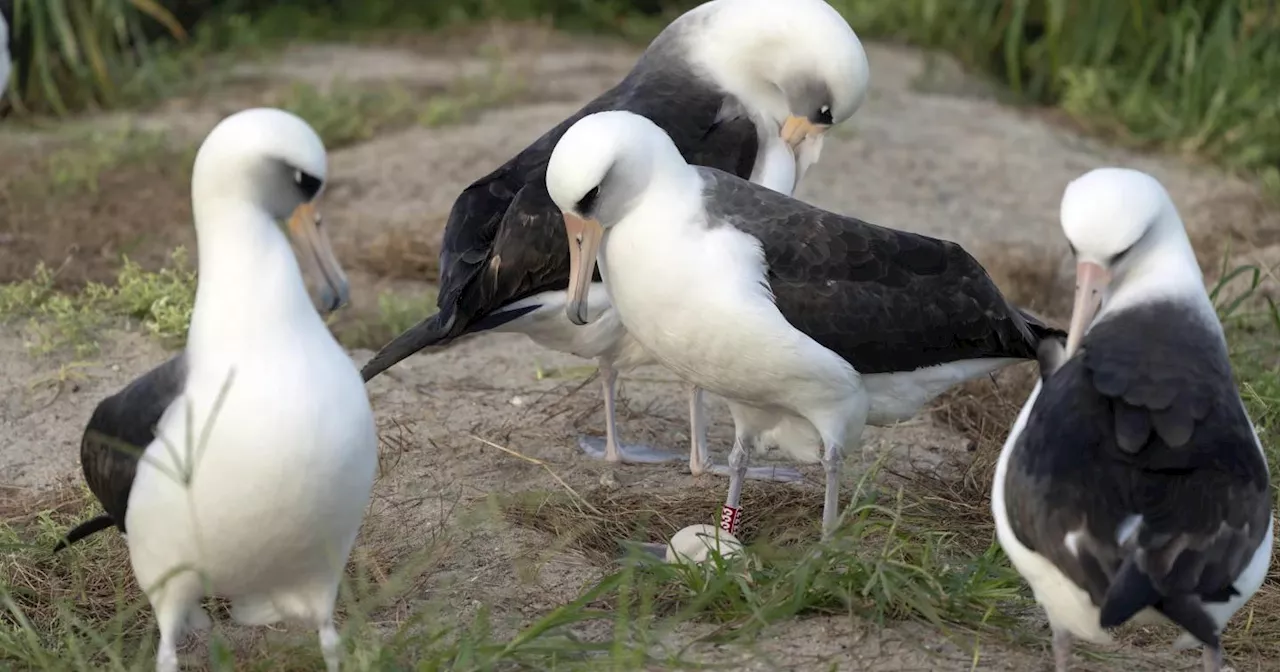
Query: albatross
{"type": "Point", "coordinates": [1133, 484]}
{"type": "Point", "coordinates": [746, 86]}
{"type": "Point", "coordinates": [244, 463]}
{"type": "Point", "coordinates": [810, 324]}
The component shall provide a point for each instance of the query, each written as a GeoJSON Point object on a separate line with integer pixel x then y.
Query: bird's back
{"type": "Point", "coordinates": [1140, 448]}
{"type": "Point", "coordinates": [884, 300]}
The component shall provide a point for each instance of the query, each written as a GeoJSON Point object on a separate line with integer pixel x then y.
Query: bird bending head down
{"type": "Point", "coordinates": [599, 170]}
{"type": "Point", "coordinates": [798, 64]}
{"type": "Point", "coordinates": [1119, 221]}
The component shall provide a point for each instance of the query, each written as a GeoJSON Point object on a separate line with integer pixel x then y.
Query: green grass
{"type": "Point", "coordinates": [346, 114]}
{"type": "Point", "coordinates": [89, 153]}
{"type": "Point", "coordinates": [395, 313]}
{"type": "Point", "coordinates": [75, 55]}
{"type": "Point", "coordinates": [82, 610]}
{"type": "Point", "coordinates": [71, 321]}
{"type": "Point", "coordinates": [1194, 76]}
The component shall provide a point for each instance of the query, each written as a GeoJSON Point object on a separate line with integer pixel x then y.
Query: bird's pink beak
{"type": "Point", "coordinates": [1091, 279]}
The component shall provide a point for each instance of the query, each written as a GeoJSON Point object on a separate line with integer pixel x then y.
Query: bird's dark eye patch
{"type": "Point", "coordinates": [309, 184]}
{"type": "Point", "coordinates": [588, 202]}
{"type": "Point", "coordinates": [1117, 258]}
{"type": "Point", "coordinates": [823, 116]}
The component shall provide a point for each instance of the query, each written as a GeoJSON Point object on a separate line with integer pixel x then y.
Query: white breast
{"type": "Point", "coordinates": [280, 481]}
{"type": "Point", "coordinates": [696, 300]}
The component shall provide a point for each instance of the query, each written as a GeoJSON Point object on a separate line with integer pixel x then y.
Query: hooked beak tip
{"type": "Point", "coordinates": [335, 299]}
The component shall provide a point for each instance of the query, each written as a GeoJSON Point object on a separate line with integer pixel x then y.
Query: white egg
{"type": "Point", "coordinates": [694, 544]}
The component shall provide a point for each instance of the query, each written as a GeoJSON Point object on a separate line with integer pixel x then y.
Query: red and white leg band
{"type": "Point", "coordinates": [729, 518]}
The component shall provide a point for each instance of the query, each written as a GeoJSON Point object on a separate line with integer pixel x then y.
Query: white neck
{"type": "Point", "coordinates": [250, 289]}
{"type": "Point", "coordinates": [674, 185]}
{"type": "Point", "coordinates": [1166, 269]}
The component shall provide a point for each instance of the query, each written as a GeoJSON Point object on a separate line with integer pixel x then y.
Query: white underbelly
{"type": "Point", "coordinates": [898, 397]}
{"type": "Point", "coordinates": [276, 493]}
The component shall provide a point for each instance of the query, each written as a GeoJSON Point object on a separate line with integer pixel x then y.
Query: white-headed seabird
{"type": "Point", "coordinates": [810, 324]}
{"type": "Point", "coordinates": [244, 464]}
{"type": "Point", "coordinates": [746, 86]}
{"type": "Point", "coordinates": [1133, 483]}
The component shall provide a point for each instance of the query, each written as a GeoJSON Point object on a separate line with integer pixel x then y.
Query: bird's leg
{"type": "Point", "coordinates": [1061, 650]}
{"type": "Point", "coordinates": [831, 506]}
{"type": "Point", "coordinates": [172, 602]}
{"type": "Point", "coordinates": [731, 514]}
{"type": "Point", "coordinates": [612, 451]}
{"type": "Point", "coordinates": [699, 460]}
{"type": "Point", "coordinates": [1213, 659]}
{"type": "Point", "coordinates": [609, 379]}
{"type": "Point", "coordinates": [330, 645]}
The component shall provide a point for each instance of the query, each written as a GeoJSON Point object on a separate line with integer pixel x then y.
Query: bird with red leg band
{"type": "Point", "coordinates": [731, 512]}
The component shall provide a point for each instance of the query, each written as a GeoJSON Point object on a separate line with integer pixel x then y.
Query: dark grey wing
{"type": "Point", "coordinates": [121, 428]}
{"type": "Point", "coordinates": [884, 300]}
{"type": "Point", "coordinates": [505, 239]}
{"type": "Point", "coordinates": [529, 254]}
{"type": "Point", "coordinates": [1146, 421]}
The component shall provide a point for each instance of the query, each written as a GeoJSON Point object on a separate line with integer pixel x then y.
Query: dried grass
{"type": "Point", "coordinates": [783, 515]}
{"type": "Point", "coordinates": [90, 587]}
{"type": "Point", "coordinates": [44, 586]}
{"type": "Point", "coordinates": [403, 254]}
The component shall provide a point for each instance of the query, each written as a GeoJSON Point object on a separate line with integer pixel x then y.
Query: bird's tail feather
{"type": "Point", "coordinates": [1039, 328]}
{"type": "Point", "coordinates": [1132, 591]}
{"type": "Point", "coordinates": [88, 527]}
{"type": "Point", "coordinates": [435, 331]}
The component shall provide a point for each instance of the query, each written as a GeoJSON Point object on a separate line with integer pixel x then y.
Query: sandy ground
{"type": "Point", "coordinates": [932, 151]}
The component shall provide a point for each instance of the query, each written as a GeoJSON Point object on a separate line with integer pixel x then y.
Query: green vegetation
{"type": "Point", "coordinates": [395, 314]}
{"type": "Point", "coordinates": [89, 154]}
{"type": "Point", "coordinates": [82, 609]}
{"type": "Point", "coordinates": [58, 321]}
{"type": "Point", "coordinates": [1193, 76]}
{"type": "Point", "coordinates": [75, 55]}
{"type": "Point", "coordinates": [346, 114]}
{"type": "Point", "coordinates": [1252, 323]}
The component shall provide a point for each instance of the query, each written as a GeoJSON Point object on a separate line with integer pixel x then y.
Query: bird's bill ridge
{"type": "Point", "coordinates": [317, 258]}
{"type": "Point", "coordinates": [1091, 279]}
{"type": "Point", "coordinates": [584, 244]}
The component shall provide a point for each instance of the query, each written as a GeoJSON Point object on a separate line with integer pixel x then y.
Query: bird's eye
{"type": "Point", "coordinates": [1117, 258]}
{"type": "Point", "coordinates": [589, 201]}
{"type": "Point", "coordinates": [824, 115]}
{"type": "Point", "coordinates": [309, 184]}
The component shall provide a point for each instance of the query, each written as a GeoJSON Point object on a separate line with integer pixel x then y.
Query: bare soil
{"type": "Point", "coordinates": [932, 151]}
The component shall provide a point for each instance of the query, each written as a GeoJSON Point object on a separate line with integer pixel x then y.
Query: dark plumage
{"type": "Point", "coordinates": [884, 300]}
{"type": "Point", "coordinates": [1144, 421]}
{"type": "Point", "coordinates": [122, 427]}
{"type": "Point", "coordinates": [505, 239]}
